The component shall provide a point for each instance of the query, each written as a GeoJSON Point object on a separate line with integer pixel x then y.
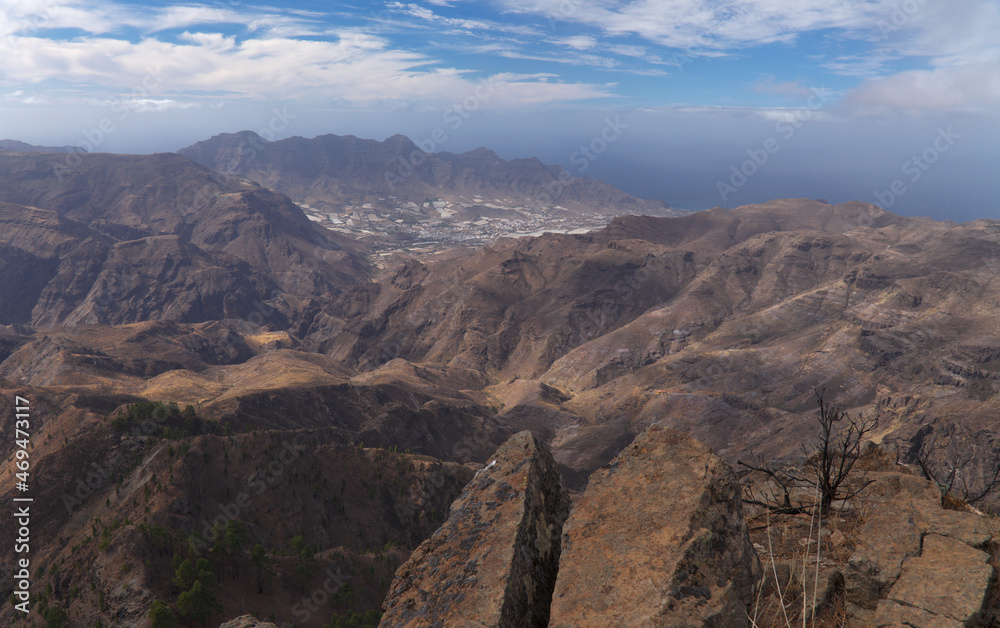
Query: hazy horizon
{"type": "Point", "coordinates": [709, 104]}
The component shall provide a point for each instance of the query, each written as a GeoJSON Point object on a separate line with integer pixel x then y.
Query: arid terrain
{"type": "Point", "coordinates": [211, 370]}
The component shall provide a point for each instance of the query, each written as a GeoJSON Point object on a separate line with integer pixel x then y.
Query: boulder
{"type": "Point", "coordinates": [494, 561]}
{"type": "Point", "coordinates": [657, 539]}
{"type": "Point", "coordinates": [894, 615]}
{"type": "Point", "coordinates": [914, 559]}
{"type": "Point", "coordinates": [948, 579]}
{"type": "Point", "coordinates": [247, 621]}
{"type": "Point", "coordinates": [890, 535]}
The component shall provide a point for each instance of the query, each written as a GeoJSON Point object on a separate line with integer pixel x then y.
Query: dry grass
{"type": "Point", "coordinates": [798, 554]}
{"type": "Point", "coordinates": [793, 591]}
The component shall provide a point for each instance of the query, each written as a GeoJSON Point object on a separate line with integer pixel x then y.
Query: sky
{"type": "Point", "coordinates": [700, 103]}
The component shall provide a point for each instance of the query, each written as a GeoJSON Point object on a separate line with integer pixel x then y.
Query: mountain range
{"type": "Point", "coordinates": [330, 171]}
{"type": "Point", "coordinates": [129, 283]}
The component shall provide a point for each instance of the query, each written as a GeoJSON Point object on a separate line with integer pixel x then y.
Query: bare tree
{"type": "Point", "coordinates": [841, 437]}
{"type": "Point", "coordinates": [955, 471]}
{"type": "Point", "coordinates": [831, 459]}
{"type": "Point", "coordinates": [784, 480]}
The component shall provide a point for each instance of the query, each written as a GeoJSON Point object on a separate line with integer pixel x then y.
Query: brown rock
{"type": "Point", "coordinates": [966, 527]}
{"type": "Point", "coordinates": [894, 615]}
{"type": "Point", "coordinates": [494, 561]}
{"type": "Point", "coordinates": [909, 513]}
{"type": "Point", "coordinates": [948, 579]}
{"type": "Point", "coordinates": [657, 539]}
{"type": "Point", "coordinates": [890, 535]}
{"type": "Point", "coordinates": [247, 621]}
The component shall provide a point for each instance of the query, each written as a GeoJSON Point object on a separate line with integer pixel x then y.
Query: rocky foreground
{"type": "Point", "coordinates": [660, 539]}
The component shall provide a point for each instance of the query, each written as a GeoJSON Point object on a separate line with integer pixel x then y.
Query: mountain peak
{"type": "Point", "coordinates": [16, 146]}
{"type": "Point", "coordinates": [399, 138]}
{"type": "Point", "coordinates": [481, 152]}
{"type": "Point", "coordinates": [331, 172]}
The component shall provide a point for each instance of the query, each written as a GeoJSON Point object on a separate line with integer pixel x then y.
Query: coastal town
{"type": "Point", "coordinates": [391, 225]}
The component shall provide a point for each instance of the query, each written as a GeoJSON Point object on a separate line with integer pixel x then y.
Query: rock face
{"type": "Point", "coordinates": [247, 621]}
{"type": "Point", "coordinates": [948, 579]}
{"type": "Point", "coordinates": [657, 539]}
{"type": "Point", "coordinates": [915, 563]}
{"type": "Point", "coordinates": [494, 561]}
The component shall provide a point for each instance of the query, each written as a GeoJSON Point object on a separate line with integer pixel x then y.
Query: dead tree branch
{"type": "Point", "coordinates": [841, 437]}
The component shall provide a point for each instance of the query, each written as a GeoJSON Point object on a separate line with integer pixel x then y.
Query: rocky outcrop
{"type": "Point", "coordinates": [916, 563]}
{"type": "Point", "coordinates": [494, 561]}
{"type": "Point", "coordinates": [657, 539]}
{"type": "Point", "coordinates": [948, 579]}
{"type": "Point", "coordinates": [247, 621]}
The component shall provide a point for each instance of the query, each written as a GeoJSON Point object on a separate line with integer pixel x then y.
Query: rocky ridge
{"type": "Point", "coordinates": [915, 560]}
{"type": "Point", "coordinates": [657, 539]}
{"type": "Point", "coordinates": [331, 171]}
{"type": "Point", "coordinates": [660, 538]}
{"type": "Point", "coordinates": [494, 561]}
{"type": "Point", "coordinates": [128, 238]}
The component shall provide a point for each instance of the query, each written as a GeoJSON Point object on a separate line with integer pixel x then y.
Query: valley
{"type": "Point", "coordinates": [390, 227]}
{"type": "Point", "coordinates": [179, 330]}
{"type": "Point", "coordinates": [396, 198]}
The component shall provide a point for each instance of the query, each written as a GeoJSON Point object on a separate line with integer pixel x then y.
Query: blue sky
{"type": "Point", "coordinates": [848, 92]}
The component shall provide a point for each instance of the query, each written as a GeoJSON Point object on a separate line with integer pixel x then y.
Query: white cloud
{"type": "Point", "coordinates": [231, 50]}
{"type": "Point", "coordinates": [357, 68]}
{"type": "Point", "coordinates": [958, 43]}
{"type": "Point", "coordinates": [28, 18]}
{"type": "Point", "coordinates": [710, 24]}
{"type": "Point", "coordinates": [519, 90]}
{"type": "Point", "coordinates": [860, 65]}
{"type": "Point", "coordinates": [578, 42]}
{"type": "Point", "coordinates": [955, 41]}
{"type": "Point", "coordinates": [277, 55]}
{"type": "Point", "coordinates": [184, 17]}
{"type": "Point", "coordinates": [146, 104]}
{"type": "Point", "coordinates": [591, 60]}
{"type": "Point", "coordinates": [628, 51]}
{"type": "Point", "coordinates": [25, 99]}
{"type": "Point", "coordinates": [462, 24]}
{"type": "Point", "coordinates": [212, 41]}
{"type": "Point", "coordinates": [966, 86]}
